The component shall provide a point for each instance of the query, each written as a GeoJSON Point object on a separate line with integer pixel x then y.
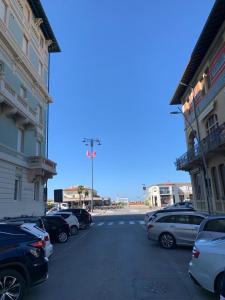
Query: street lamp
{"type": "Point", "coordinates": [91, 142]}
{"type": "Point", "coordinates": [202, 153]}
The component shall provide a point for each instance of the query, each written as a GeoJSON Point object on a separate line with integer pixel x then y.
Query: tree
{"type": "Point", "coordinates": [80, 190]}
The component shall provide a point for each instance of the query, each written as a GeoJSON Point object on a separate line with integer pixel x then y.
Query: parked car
{"type": "Point", "coordinates": [175, 228]}
{"type": "Point", "coordinates": [71, 219]}
{"type": "Point", "coordinates": [83, 216]}
{"type": "Point", "coordinates": [57, 228]}
{"type": "Point", "coordinates": [183, 204]}
{"type": "Point", "coordinates": [208, 263]}
{"type": "Point", "coordinates": [152, 214]}
{"type": "Point", "coordinates": [35, 226]}
{"type": "Point", "coordinates": [22, 262]}
{"type": "Point", "coordinates": [212, 227]}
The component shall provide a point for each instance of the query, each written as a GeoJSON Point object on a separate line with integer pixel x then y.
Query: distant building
{"type": "Point", "coordinates": [204, 79]}
{"type": "Point", "coordinates": [26, 40]}
{"type": "Point", "coordinates": [163, 194]}
{"type": "Point", "coordinates": [72, 196]}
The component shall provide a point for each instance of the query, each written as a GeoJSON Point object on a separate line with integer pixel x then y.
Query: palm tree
{"type": "Point", "coordinates": [86, 193]}
{"type": "Point", "coordinates": [80, 190]}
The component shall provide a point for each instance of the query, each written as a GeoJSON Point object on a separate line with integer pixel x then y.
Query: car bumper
{"type": "Point", "coordinates": [200, 277]}
{"type": "Point", "coordinates": [39, 273]}
{"type": "Point", "coordinates": [48, 250]}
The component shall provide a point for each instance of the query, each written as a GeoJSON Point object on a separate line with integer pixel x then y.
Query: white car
{"type": "Point", "coordinates": [208, 263]}
{"type": "Point", "coordinates": [70, 219]}
{"type": "Point", "coordinates": [38, 232]}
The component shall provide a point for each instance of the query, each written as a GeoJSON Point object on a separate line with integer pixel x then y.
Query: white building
{"type": "Point", "coordinates": [163, 194]}
{"type": "Point", "coordinates": [26, 40]}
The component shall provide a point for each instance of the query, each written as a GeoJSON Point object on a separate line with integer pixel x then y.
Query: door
{"type": "Point", "coordinates": [185, 232]}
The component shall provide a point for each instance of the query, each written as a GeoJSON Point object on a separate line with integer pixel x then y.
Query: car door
{"type": "Point", "coordinates": [183, 230]}
{"type": "Point", "coordinates": [195, 222]}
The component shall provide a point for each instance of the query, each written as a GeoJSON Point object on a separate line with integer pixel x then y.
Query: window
{"type": "Point", "coordinates": [217, 225]}
{"type": "Point", "coordinates": [25, 45]}
{"type": "Point", "coordinates": [41, 42]}
{"type": "Point", "coordinates": [40, 114]}
{"type": "Point", "coordinates": [23, 92]}
{"type": "Point", "coordinates": [215, 181]}
{"type": "Point", "coordinates": [196, 220]}
{"type": "Point", "coordinates": [197, 186]}
{"type": "Point", "coordinates": [36, 190]}
{"type": "Point", "coordinates": [3, 9]}
{"type": "Point", "coordinates": [27, 14]}
{"type": "Point", "coordinates": [167, 219]}
{"type": "Point", "coordinates": [211, 123]}
{"type": "Point", "coordinates": [20, 141]}
{"type": "Point", "coordinates": [40, 68]}
{"type": "Point", "coordinates": [164, 190]}
{"type": "Point", "coordinates": [222, 177]}
{"type": "Point", "coordinates": [182, 219]}
{"type": "Point", "coordinates": [38, 148]}
{"type": "Point", "coordinates": [17, 188]}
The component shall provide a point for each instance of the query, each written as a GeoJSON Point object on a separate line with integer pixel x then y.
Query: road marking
{"type": "Point", "coordinates": [121, 222]}
{"type": "Point", "coordinates": [92, 224]}
{"type": "Point", "coordinates": [110, 223]}
{"type": "Point", "coordinates": [100, 224]}
{"type": "Point", "coordinates": [131, 222]}
{"type": "Point", "coordinates": [141, 222]}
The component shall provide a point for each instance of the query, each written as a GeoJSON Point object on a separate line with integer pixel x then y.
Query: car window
{"type": "Point", "coordinates": [182, 219]}
{"type": "Point", "coordinates": [65, 216]}
{"type": "Point", "coordinates": [55, 221]}
{"type": "Point", "coordinates": [217, 225]}
{"type": "Point", "coordinates": [167, 219]}
{"type": "Point", "coordinates": [196, 220]}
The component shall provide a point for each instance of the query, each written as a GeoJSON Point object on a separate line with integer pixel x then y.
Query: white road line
{"type": "Point", "coordinates": [121, 222]}
{"type": "Point", "coordinates": [141, 222]}
{"type": "Point", "coordinates": [100, 224]}
{"type": "Point", "coordinates": [131, 222]}
{"type": "Point", "coordinates": [110, 223]}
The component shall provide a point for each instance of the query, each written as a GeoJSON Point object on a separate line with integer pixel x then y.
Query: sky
{"type": "Point", "coordinates": [120, 64]}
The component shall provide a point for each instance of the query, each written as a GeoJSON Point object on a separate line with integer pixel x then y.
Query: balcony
{"type": "Point", "coordinates": [41, 167]}
{"type": "Point", "coordinates": [213, 143]}
{"type": "Point", "coordinates": [14, 105]}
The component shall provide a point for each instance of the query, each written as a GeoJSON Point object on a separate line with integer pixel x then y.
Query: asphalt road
{"type": "Point", "coordinates": [113, 260]}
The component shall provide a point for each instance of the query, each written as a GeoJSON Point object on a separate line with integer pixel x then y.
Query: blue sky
{"type": "Point", "coordinates": [120, 63]}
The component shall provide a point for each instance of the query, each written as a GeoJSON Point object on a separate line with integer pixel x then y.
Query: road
{"type": "Point", "coordinates": [113, 260]}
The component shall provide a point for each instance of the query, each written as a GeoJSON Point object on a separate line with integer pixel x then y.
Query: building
{"type": "Point", "coordinates": [163, 194]}
{"type": "Point", "coordinates": [26, 41]}
{"type": "Point", "coordinates": [204, 79]}
{"type": "Point", "coordinates": [82, 195]}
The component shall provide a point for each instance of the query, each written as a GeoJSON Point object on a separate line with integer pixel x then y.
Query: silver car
{"type": "Point", "coordinates": [175, 228]}
{"type": "Point", "coordinates": [212, 227]}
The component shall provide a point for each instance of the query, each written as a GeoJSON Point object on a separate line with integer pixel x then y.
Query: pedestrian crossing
{"type": "Point", "coordinates": [117, 223]}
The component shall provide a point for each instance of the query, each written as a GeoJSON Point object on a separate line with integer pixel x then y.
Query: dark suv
{"type": "Point", "coordinates": [82, 215]}
{"type": "Point", "coordinates": [57, 228]}
{"type": "Point", "coordinates": [22, 262]}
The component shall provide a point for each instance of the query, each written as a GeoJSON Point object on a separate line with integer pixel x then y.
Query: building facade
{"type": "Point", "coordinates": [26, 40]}
{"type": "Point", "coordinates": [163, 194]}
{"type": "Point", "coordinates": [203, 93]}
{"type": "Point", "coordinates": [76, 196]}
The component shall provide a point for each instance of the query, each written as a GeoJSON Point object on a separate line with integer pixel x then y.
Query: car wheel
{"type": "Point", "coordinates": [62, 237]}
{"type": "Point", "coordinates": [167, 241]}
{"type": "Point", "coordinates": [74, 230]}
{"type": "Point", "coordinates": [12, 285]}
{"type": "Point", "coordinates": [219, 283]}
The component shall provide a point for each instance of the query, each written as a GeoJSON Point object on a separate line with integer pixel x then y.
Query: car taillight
{"type": "Point", "coordinates": [46, 238]}
{"type": "Point", "coordinates": [38, 244]}
{"type": "Point", "coordinates": [150, 226]}
{"type": "Point", "coordinates": [195, 253]}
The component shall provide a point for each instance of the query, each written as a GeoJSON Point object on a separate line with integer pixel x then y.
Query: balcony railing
{"type": "Point", "coordinates": [13, 100]}
{"type": "Point", "coordinates": [42, 165]}
{"type": "Point", "coordinates": [212, 142]}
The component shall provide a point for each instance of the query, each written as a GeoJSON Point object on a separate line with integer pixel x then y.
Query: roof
{"type": "Point", "coordinates": [171, 184]}
{"type": "Point", "coordinates": [38, 12]}
{"type": "Point", "coordinates": [207, 36]}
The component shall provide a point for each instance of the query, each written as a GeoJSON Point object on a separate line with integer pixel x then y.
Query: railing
{"type": "Point", "coordinates": [39, 162]}
{"type": "Point", "coordinates": [210, 143]}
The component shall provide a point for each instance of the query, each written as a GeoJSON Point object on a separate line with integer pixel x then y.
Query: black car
{"type": "Point", "coordinates": [82, 215]}
{"type": "Point", "coordinates": [22, 262]}
{"type": "Point", "coordinates": [57, 228]}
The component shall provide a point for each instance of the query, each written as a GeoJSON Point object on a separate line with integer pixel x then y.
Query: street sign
{"type": "Point", "coordinates": [58, 196]}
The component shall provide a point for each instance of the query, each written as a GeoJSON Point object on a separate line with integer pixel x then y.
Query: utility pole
{"type": "Point", "coordinates": [91, 142]}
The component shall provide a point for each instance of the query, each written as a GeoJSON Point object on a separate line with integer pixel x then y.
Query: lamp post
{"type": "Point", "coordinates": [91, 142]}
{"type": "Point", "coordinates": [202, 153]}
